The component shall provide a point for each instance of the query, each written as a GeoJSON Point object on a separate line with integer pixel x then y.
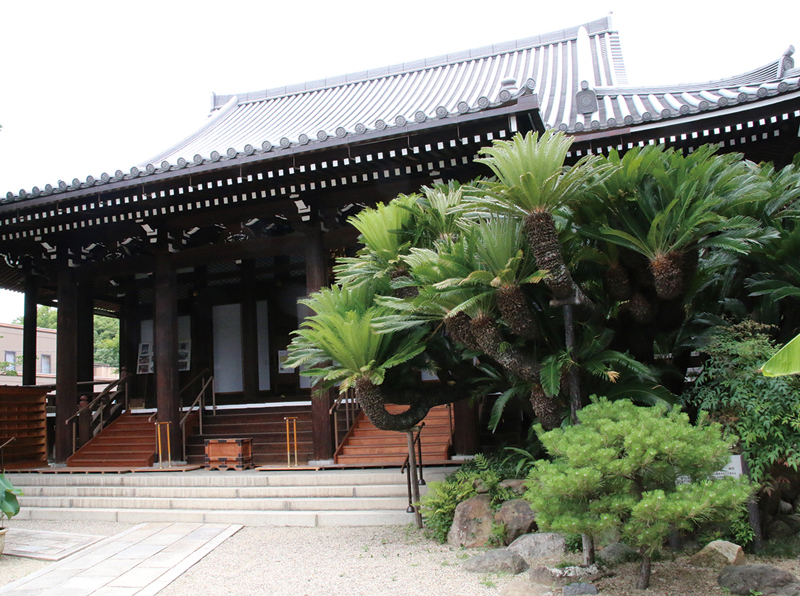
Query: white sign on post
{"type": "Point", "coordinates": [733, 469]}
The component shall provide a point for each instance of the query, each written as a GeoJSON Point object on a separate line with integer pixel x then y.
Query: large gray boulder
{"type": "Point", "coordinates": [541, 545]}
{"type": "Point", "coordinates": [754, 579]}
{"type": "Point", "coordinates": [472, 524]}
{"type": "Point", "coordinates": [496, 561]}
{"type": "Point", "coordinates": [717, 554]}
{"type": "Point", "coordinates": [518, 518]}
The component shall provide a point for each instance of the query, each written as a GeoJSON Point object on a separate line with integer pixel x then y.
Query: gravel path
{"type": "Point", "coordinates": [393, 560]}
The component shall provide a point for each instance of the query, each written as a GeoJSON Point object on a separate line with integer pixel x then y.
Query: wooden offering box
{"type": "Point", "coordinates": [229, 454]}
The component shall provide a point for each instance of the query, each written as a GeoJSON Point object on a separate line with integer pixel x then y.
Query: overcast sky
{"type": "Point", "coordinates": [92, 87]}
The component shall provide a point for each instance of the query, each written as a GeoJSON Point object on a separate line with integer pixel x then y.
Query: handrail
{"type": "Point", "coordinates": [122, 379]}
{"type": "Point", "coordinates": [414, 477]}
{"type": "Point", "coordinates": [350, 407]}
{"type": "Point", "coordinates": [200, 374]}
{"type": "Point", "coordinates": [105, 398]}
{"type": "Point", "coordinates": [199, 401]}
{"type": "Point", "coordinates": [2, 454]}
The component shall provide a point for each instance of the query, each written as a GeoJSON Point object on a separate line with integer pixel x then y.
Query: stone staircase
{"type": "Point", "coordinates": [323, 498]}
{"type": "Point", "coordinates": [129, 441]}
{"type": "Point", "coordinates": [368, 445]}
{"type": "Point", "coordinates": [265, 426]}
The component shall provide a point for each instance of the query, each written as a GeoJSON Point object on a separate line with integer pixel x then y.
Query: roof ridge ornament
{"type": "Point", "coordinates": [786, 62]}
{"type": "Point", "coordinates": [586, 99]}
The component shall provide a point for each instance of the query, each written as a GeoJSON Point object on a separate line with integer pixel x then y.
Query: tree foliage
{"type": "Point", "coordinates": [617, 471]}
{"type": "Point", "coordinates": [654, 245]}
{"type": "Point", "coordinates": [763, 412]}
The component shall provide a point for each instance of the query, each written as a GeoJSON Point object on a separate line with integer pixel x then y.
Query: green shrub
{"type": "Point", "coordinates": [438, 506]}
{"type": "Point", "coordinates": [617, 472]}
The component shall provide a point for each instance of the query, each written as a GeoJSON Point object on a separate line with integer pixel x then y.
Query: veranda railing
{"type": "Point", "coordinates": [92, 416]}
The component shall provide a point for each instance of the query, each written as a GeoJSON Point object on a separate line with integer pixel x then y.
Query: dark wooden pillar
{"type": "Point", "coordinates": [85, 335]}
{"type": "Point", "coordinates": [202, 324]}
{"type": "Point", "coordinates": [317, 278]}
{"type": "Point", "coordinates": [466, 435]}
{"type": "Point", "coordinates": [249, 333]}
{"type": "Point", "coordinates": [29, 332]}
{"type": "Point", "coordinates": [130, 332]}
{"type": "Point", "coordinates": [66, 361]}
{"type": "Point", "coordinates": [165, 338]}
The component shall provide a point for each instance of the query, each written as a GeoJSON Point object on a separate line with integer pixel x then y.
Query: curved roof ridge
{"type": "Point", "coordinates": [598, 26]}
{"type": "Point", "coordinates": [213, 118]}
{"type": "Point", "coordinates": [762, 74]}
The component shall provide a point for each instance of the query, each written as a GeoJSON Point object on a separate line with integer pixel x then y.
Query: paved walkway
{"type": "Point", "coordinates": [140, 561]}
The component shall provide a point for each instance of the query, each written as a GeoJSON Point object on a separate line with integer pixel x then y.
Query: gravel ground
{"type": "Point", "coordinates": [393, 560]}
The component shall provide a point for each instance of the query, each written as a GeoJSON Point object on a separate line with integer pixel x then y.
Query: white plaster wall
{"type": "Point", "coordinates": [227, 329]}
{"type": "Point", "coordinates": [263, 345]}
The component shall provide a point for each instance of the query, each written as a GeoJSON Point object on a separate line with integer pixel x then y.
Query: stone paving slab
{"type": "Point", "coordinates": [47, 546]}
{"type": "Point", "coordinates": [140, 561]}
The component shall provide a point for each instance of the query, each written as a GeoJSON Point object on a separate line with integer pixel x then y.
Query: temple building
{"type": "Point", "coordinates": [203, 250]}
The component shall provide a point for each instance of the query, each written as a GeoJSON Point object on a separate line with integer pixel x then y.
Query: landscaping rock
{"type": "Point", "coordinates": [562, 576]}
{"type": "Point", "coordinates": [764, 579]}
{"type": "Point", "coordinates": [472, 524]}
{"type": "Point", "coordinates": [785, 508]}
{"type": "Point", "coordinates": [480, 487]}
{"type": "Point", "coordinates": [496, 561]}
{"type": "Point", "coordinates": [617, 553]}
{"type": "Point", "coordinates": [778, 529]}
{"type": "Point", "coordinates": [522, 586]}
{"type": "Point", "coordinates": [580, 588]}
{"type": "Point", "coordinates": [718, 554]}
{"type": "Point", "coordinates": [518, 518]}
{"type": "Point", "coordinates": [539, 546]}
{"type": "Point", "coordinates": [517, 485]}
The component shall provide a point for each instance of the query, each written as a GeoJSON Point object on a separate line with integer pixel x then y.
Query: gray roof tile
{"type": "Point", "coordinates": [547, 67]}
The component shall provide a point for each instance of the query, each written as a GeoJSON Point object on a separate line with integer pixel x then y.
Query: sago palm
{"type": "Point", "coordinates": [533, 183]}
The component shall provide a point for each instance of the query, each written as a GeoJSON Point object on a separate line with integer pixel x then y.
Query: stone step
{"type": "Point", "coordinates": [217, 492]}
{"type": "Point", "coordinates": [248, 518]}
{"type": "Point", "coordinates": [214, 504]}
{"type": "Point", "coordinates": [297, 498]}
{"type": "Point", "coordinates": [201, 478]}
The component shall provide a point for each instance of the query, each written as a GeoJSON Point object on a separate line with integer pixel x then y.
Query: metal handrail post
{"type": "Point", "coordinates": [158, 438]}
{"type": "Point", "coordinates": [288, 441]}
{"type": "Point", "coordinates": [419, 452]}
{"type": "Point", "coordinates": [412, 473]}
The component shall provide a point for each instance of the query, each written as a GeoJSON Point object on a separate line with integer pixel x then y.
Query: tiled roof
{"type": "Point", "coordinates": [577, 76]}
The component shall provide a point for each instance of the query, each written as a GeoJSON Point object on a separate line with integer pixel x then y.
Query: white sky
{"type": "Point", "coordinates": [92, 87]}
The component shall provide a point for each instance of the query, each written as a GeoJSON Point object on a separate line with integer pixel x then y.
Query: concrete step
{"type": "Point", "coordinates": [214, 504]}
{"type": "Point", "coordinates": [296, 498]}
{"type": "Point", "coordinates": [216, 492]}
{"type": "Point", "coordinates": [248, 518]}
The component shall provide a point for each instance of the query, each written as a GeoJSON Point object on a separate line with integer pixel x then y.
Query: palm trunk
{"type": "Point", "coordinates": [668, 275]}
{"type": "Point", "coordinates": [516, 313]}
{"type": "Point", "coordinates": [543, 239]}
{"type": "Point", "coordinates": [545, 408]}
{"type": "Point", "coordinates": [372, 401]}
{"type": "Point", "coordinates": [458, 328]}
{"type": "Point", "coordinates": [509, 357]}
